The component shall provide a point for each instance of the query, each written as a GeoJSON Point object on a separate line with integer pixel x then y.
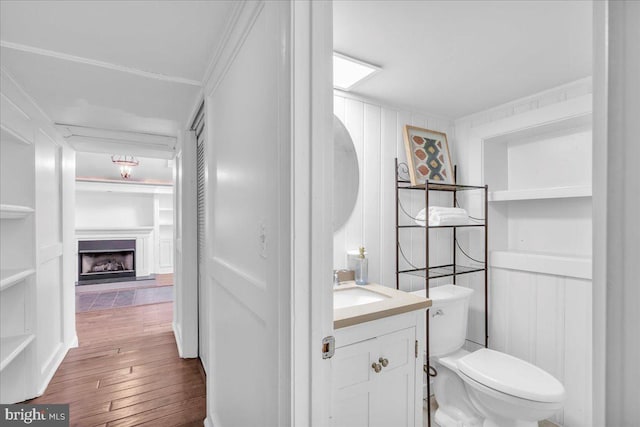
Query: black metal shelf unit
{"type": "Point", "coordinates": [452, 270]}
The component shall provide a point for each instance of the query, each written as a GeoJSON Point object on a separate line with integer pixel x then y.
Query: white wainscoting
{"type": "Point", "coordinates": [546, 320]}
{"type": "Point", "coordinates": [540, 288]}
{"type": "Point", "coordinates": [142, 235]}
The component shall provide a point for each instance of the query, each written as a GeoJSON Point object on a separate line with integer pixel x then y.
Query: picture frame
{"type": "Point", "coordinates": [428, 156]}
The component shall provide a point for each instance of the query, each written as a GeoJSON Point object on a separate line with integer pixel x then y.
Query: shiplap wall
{"type": "Point", "coordinates": [376, 131]}
{"type": "Point", "coordinates": [539, 317]}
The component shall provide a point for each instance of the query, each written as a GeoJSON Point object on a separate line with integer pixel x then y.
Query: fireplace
{"type": "Point", "coordinates": [106, 260]}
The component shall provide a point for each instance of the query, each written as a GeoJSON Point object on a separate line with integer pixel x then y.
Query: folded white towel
{"type": "Point", "coordinates": [443, 210]}
{"type": "Point", "coordinates": [439, 216]}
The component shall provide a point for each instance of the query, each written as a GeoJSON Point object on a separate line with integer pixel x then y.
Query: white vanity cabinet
{"type": "Point", "coordinates": [377, 373]}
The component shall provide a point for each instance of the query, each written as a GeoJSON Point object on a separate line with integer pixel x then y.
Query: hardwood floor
{"type": "Point", "coordinates": [127, 372]}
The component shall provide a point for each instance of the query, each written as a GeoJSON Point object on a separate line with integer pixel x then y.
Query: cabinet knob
{"type": "Point", "coordinates": [384, 362]}
{"type": "Point", "coordinates": [376, 367]}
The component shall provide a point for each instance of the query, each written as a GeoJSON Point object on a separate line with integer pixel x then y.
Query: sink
{"type": "Point", "coordinates": [355, 296]}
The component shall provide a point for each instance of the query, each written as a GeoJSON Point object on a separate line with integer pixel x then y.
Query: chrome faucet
{"type": "Point", "coordinates": [336, 278]}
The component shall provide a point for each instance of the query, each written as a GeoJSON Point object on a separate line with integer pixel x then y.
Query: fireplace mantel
{"type": "Point", "coordinates": [142, 235]}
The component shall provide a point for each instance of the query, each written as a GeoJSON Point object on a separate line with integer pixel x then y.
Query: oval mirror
{"type": "Point", "coordinates": [346, 174]}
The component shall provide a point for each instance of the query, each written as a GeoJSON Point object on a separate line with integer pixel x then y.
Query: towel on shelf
{"type": "Point", "coordinates": [439, 216]}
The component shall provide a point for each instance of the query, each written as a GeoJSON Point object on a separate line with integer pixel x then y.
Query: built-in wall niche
{"type": "Point", "coordinates": [164, 233]}
{"type": "Point", "coordinates": [541, 162]}
{"type": "Point", "coordinates": [18, 181]}
{"type": "Point", "coordinates": [540, 199]}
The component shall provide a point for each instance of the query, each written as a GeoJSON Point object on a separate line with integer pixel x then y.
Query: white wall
{"type": "Point", "coordinates": [114, 209]}
{"type": "Point", "coordinates": [536, 313]}
{"type": "Point", "coordinates": [376, 131]}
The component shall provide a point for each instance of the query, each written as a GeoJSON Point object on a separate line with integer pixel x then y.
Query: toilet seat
{"type": "Point", "coordinates": [511, 376]}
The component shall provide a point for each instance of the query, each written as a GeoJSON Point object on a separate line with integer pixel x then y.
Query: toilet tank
{"type": "Point", "coordinates": [447, 318]}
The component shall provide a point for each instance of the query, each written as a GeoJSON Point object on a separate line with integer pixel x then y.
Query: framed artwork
{"type": "Point", "coordinates": [428, 156]}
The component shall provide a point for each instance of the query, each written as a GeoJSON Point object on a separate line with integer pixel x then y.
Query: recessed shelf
{"type": "Point", "coordinates": [438, 186]}
{"type": "Point", "coordinates": [543, 262]}
{"type": "Point", "coordinates": [541, 193]}
{"type": "Point", "coordinates": [11, 347]}
{"type": "Point", "coordinates": [8, 134]}
{"type": "Point", "coordinates": [442, 271]}
{"type": "Point", "coordinates": [441, 226]}
{"type": "Point", "coordinates": [14, 211]}
{"type": "Point", "coordinates": [11, 276]}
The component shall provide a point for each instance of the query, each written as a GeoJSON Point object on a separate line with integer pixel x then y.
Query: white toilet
{"type": "Point", "coordinates": [486, 387]}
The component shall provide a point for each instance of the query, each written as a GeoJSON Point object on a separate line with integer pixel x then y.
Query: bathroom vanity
{"type": "Point", "coordinates": [377, 365]}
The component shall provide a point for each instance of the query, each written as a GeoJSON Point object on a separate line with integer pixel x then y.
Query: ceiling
{"type": "Point", "coordinates": [124, 77]}
{"type": "Point", "coordinates": [118, 77]}
{"type": "Point", "coordinates": [454, 58]}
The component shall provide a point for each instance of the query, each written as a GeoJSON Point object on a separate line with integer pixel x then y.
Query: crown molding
{"type": "Point", "coordinates": [97, 63]}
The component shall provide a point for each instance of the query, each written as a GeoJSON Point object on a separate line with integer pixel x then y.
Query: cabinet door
{"type": "Point", "coordinates": [395, 399]}
{"type": "Point", "coordinates": [353, 384]}
{"type": "Point", "coordinates": [364, 398]}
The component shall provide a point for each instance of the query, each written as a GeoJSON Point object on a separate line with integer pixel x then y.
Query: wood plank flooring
{"type": "Point", "coordinates": [127, 372]}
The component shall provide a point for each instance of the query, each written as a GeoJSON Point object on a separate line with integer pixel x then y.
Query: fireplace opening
{"type": "Point", "coordinates": [106, 260]}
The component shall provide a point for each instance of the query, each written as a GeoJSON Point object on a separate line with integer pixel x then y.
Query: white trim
{"type": "Point", "coordinates": [28, 97]}
{"type": "Point", "coordinates": [384, 104]}
{"type": "Point", "coordinates": [97, 63]}
{"type": "Point", "coordinates": [48, 252]}
{"type": "Point", "coordinates": [586, 81]}
{"type": "Point", "coordinates": [155, 140]}
{"type": "Point", "coordinates": [600, 211]}
{"type": "Point", "coordinates": [122, 187]}
{"type": "Point", "coordinates": [178, 336]}
{"type": "Point", "coordinates": [545, 263]}
{"type": "Point", "coordinates": [214, 61]}
{"type": "Point", "coordinates": [246, 17]}
{"type": "Point", "coordinates": [53, 362]}
{"type": "Point", "coordinates": [14, 106]}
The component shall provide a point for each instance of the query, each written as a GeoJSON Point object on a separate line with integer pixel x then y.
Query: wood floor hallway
{"type": "Point", "coordinates": [127, 372]}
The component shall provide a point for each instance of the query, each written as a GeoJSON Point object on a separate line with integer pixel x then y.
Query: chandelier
{"type": "Point", "coordinates": [125, 163]}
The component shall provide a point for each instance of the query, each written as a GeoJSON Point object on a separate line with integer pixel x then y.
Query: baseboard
{"type": "Point", "coordinates": [208, 422]}
{"type": "Point", "coordinates": [74, 342]}
{"type": "Point", "coordinates": [178, 336]}
{"type": "Point", "coordinates": [52, 366]}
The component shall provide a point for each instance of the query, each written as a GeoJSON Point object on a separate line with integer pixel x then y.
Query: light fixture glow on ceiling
{"type": "Point", "coordinates": [348, 72]}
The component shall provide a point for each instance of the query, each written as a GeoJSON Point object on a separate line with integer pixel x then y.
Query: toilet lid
{"type": "Point", "coordinates": [511, 375]}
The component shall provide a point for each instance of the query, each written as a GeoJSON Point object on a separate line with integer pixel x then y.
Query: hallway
{"type": "Point", "coordinates": [127, 372]}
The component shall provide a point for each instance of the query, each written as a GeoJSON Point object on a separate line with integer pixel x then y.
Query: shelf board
{"type": "Point", "coordinates": [165, 209]}
{"type": "Point", "coordinates": [541, 193]}
{"type": "Point", "coordinates": [440, 226]}
{"type": "Point", "coordinates": [14, 211]}
{"type": "Point", "coordinates": [165, 223]}
{"type": "Point", "coordinates": [11, 347]}
{"type": "Point", "coordinates": [442, 271]}
{"type": "Point", "coordinates": [543, 262]}
{"type": "Point", "coordinates": [11, 276]}
{"type": "Point", "coordinates": [8, 134]}
{"type": "Point", "coordinates": [438, 186]}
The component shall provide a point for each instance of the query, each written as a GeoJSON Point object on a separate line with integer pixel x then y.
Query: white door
{"type": "Point", "coordinates": [203, 310]}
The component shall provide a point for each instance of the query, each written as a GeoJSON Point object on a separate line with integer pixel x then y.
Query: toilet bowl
{"type": "Point", "coordinates": [486, 387]}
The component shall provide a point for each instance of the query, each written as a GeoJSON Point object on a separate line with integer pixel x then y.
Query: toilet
{"type": "Point", "coordinates": [484, 388]}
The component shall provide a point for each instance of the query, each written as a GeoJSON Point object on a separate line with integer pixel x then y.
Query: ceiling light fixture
{"type": "Point", "coordinates": [125, 163]}
{"type": "Point", "coordinates": [348, 72]}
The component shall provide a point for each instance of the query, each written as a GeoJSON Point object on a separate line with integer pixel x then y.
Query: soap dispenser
{"type": "Point", "coordinates": [362, 268]}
